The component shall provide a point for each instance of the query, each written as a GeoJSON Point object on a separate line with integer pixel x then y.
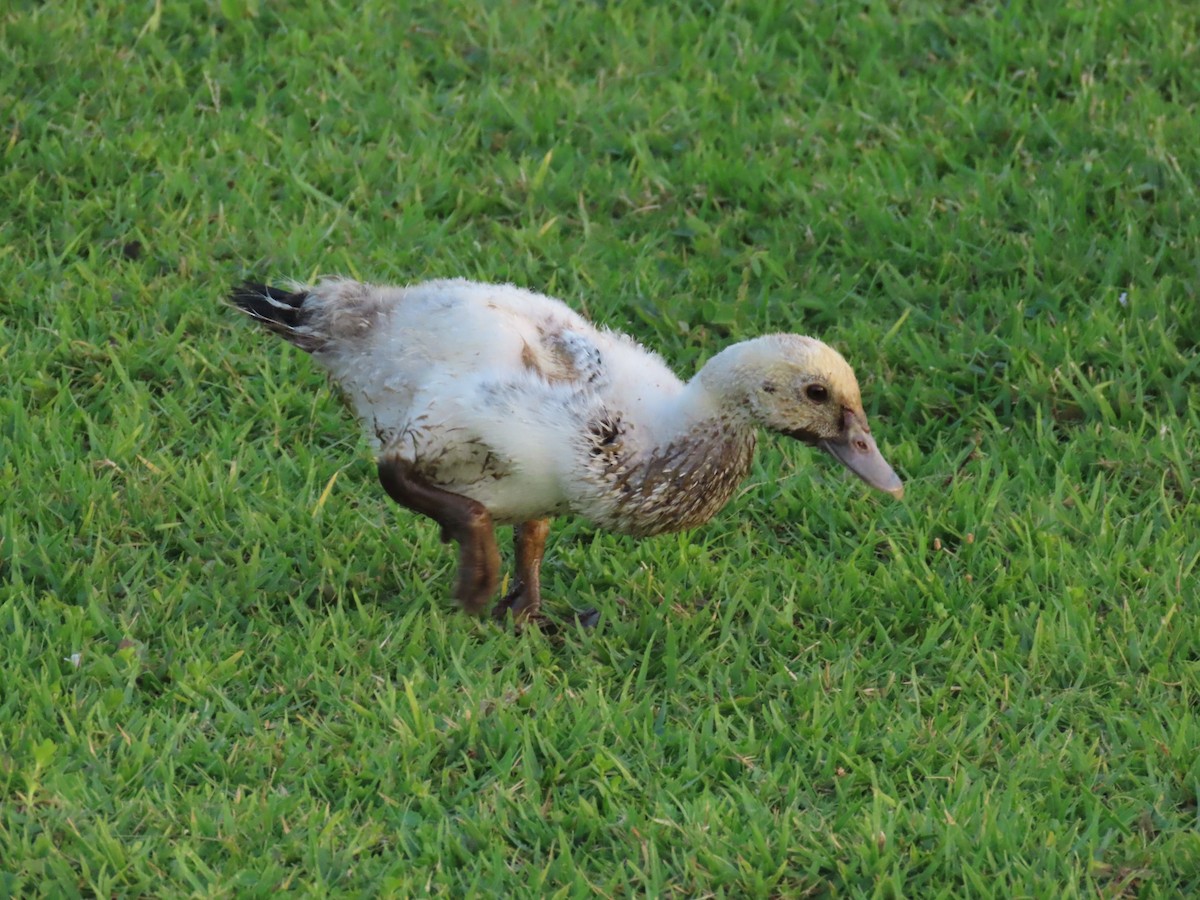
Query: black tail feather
{"type": "Point", "coordinates": [279, 310]}
{"type": "Point", "coordinates": [270, 303]}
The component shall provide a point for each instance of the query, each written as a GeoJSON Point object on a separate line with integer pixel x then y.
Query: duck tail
{"type": "Point", "coordinates": [282, 311]}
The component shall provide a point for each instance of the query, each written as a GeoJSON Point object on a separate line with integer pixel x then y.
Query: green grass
{"type": "Point", "coordinates": [990, 689]}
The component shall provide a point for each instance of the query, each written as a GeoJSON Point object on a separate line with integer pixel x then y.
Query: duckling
{"type": "Point", "coordinates": [491, 405]}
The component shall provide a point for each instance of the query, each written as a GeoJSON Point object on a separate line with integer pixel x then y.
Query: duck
{"type": "Point", "coordinates": [492, 405]}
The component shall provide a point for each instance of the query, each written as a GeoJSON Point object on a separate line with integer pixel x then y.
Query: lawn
{"type": "Point", "coordinates": [229, 665]}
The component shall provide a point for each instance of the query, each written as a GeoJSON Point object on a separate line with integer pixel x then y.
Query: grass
{"type": "Point", "coordinates": [990, 689]}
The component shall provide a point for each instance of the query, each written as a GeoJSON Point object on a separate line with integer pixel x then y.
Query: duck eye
{"type": "Point", "coordinates": [817, 393]}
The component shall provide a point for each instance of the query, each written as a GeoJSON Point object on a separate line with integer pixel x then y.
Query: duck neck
{"type": "Point", "coordinates": [683, 482]}
{"type": "Point", "coordinates": [697, 456]}
{"type": "Point", "coordinates": [714, 394]}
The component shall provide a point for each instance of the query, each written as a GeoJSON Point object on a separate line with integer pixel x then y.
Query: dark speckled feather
{"type": "Point", "coordinates": [680, 485]}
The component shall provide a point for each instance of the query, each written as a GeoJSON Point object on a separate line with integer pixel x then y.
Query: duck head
{"type": "Point", "coordinates": [803, 388]}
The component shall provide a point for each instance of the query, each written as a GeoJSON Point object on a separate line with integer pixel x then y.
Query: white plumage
{"type": "Point", "coordinates": [469, 380]}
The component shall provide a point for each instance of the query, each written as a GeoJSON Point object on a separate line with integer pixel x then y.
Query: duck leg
{"type": "Point", "coordinates": [462, 519]}
{"type": "Point", "coordinates": [524, 600]}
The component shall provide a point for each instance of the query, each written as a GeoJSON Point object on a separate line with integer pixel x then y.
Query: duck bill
{"type": "Point", "coordinates": [856, 450]}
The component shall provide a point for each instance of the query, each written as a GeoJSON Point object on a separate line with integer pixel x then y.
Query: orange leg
{"type": "Point", "coordinates": [524, 600]}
